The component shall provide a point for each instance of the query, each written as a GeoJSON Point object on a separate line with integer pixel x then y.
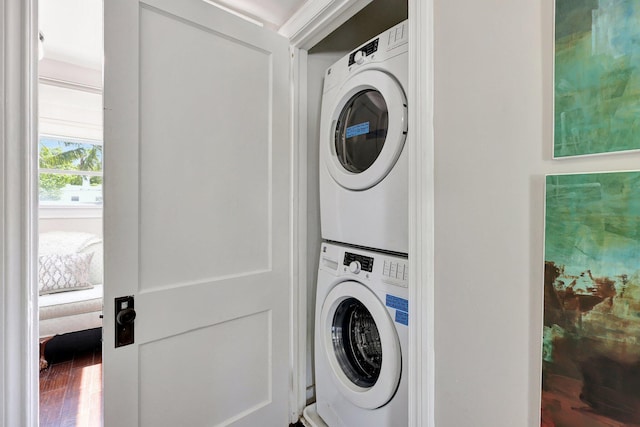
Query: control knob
{"type": "Point", "coordinates": [354, 267]}
{"type": "Point", "coordinates": [359, 57]}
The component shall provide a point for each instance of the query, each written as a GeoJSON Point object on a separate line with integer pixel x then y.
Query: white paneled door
{"type": "Point", "coordinates": [197, 216]}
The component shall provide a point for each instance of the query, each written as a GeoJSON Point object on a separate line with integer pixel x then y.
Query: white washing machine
{"type": "Point", "coordinates": [363, 128]}
{"type": "Point", "coordinates": [361, 338]}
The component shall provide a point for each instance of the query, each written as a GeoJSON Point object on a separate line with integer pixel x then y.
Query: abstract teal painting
{"type": "Point", "coordinates": [591, 332]}
{"type": "Point", "coordinates": [597, 77]}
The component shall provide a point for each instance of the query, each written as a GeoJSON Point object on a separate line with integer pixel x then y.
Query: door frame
{"type": "Point", "coordinates": [19, 374]}
{"type": "Point", "coordinates": [312, 23]}
{"type": "Point", "coordinates": [18, 203]}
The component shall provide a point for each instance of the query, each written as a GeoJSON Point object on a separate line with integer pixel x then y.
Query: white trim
{"type": "Point", "coordinates": [69, 85]}
{"type": "Point", "coordinates": [70, 172]}
{"type": "Point", "coordinates": [68, 212]}
{"type": "Point", "coordinates": [316, 19]}
{"type": "Point", "coordinates": [18, 228]}
{"type": "Point", "coordinates": [4, 277]}
{"type": "Point", "coordinates": [89, 141]}
{"type": "Point", "coordinates": [299, 235]}
{"type": "Point", "coordinates": [421, 215]}
{"type": "Point", "coordinates": [299, 21]}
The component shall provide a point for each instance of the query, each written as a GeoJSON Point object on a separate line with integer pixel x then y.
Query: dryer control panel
{"type": "Point", "coordinates": [390, 39]}
{"type": "Point", "coordinates": [390, 44]}
{"type": "Point", "coordinates": [366, 50]}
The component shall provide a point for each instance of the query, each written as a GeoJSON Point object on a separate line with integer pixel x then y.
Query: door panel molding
{"type": "Point", "coordinates": [202, 243]}
{"type": "Point", "coordinates": [232, 154]}
{"type": "Point", "coordinates": [206, 368]}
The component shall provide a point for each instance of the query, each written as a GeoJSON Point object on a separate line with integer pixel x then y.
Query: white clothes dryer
{"type": "Point", "coordinates": [361, 338]}
{"type": "Point", "coordinates": [363, 128]}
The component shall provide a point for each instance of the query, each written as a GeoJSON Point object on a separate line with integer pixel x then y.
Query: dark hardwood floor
{"type": "Point", "coordinates": [71, 387]}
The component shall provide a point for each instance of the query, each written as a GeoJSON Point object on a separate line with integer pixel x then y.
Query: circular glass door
{"type": "Point", "coordinates": [361, 130]}
{"type": "Point", "coordinates": [356, 342]}
{"type": "Point", "coordinates": [365, 133]}
{"type": "Point", "coordinates": [361, 345]}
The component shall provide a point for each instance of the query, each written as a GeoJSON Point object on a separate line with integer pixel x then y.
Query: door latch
{"type": "Point", "coordinates": [125, 316]}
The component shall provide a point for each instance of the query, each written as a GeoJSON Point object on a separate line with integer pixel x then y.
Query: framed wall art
{"type": "Point", "coordinates": [591, 332]}
{"type": "Point", "coordinates": [596, 77]}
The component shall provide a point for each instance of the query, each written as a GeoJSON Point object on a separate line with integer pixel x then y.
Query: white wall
{"type": "Point", "coordinates": [493, 136]}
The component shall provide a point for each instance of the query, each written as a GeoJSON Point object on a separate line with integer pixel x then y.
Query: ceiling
{"type": "Point", "coordinates": [72, 29]}
{"type": "Point", "coordinates": [272, 13]}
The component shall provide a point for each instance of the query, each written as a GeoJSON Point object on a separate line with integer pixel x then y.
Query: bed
{"type": "Point", "coordinates": [70, 284]}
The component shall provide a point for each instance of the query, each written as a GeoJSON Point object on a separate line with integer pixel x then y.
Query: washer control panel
{"type": "Point", "coordinates": [367, 265]}
{"type": "Point", "coordinates": [395, 270]}
{"type": "Point", "coordinates": [364, 263]}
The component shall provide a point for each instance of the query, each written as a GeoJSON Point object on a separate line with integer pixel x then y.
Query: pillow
{"type": "Point", "coordinates": [95, 270]}
{"type": "Point", "coordinates": [65, 242]}
{"type": "Point", "coordinates": [66, 272]}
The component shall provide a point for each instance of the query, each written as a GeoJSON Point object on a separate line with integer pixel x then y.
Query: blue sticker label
{"type": "Point", "coordinates": [402, 317]}
{"type": "Point", "coordinates": [397, 303]}
{"type": "Point", "coordinates": [359, 129]}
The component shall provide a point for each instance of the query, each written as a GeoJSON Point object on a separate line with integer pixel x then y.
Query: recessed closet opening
{"type": "Point", "coordinates": [372, 20]}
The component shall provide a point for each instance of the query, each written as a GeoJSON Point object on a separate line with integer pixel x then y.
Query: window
{"type": "Point", "coordinates": [70, 148]}
{"type": "Point", "coordinates": [70, 171]}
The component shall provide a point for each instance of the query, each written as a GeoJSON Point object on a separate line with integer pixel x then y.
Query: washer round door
{"type": "Point", "coordinates": [361, 344]}
{"type": "Point", "coordinates": [368, 130]}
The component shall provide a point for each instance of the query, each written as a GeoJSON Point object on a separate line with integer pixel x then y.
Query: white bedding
{"type": "Point", "coordinates": [76, 310]}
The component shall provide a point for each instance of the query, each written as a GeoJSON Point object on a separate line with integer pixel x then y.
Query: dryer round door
{"type": "Point", "coordinates": [361, 344]}
{"type": "Point", "coordinates": [368, 130]}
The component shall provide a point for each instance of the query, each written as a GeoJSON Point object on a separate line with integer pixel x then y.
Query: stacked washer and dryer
{"type": "Point", "coordinates": [362, 310]}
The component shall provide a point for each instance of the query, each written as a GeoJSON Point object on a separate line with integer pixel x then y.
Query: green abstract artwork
{"type": "Point", "coordinates": [591, 338]}
{"type": "Point", "coordinates": [597, 77]}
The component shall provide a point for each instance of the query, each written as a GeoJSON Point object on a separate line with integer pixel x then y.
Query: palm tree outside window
{"type": "Point", "coordinates": [70, 171]}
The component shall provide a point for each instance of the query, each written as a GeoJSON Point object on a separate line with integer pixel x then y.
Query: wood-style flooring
{"type": "Point", "coordinates": [71, 387]}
